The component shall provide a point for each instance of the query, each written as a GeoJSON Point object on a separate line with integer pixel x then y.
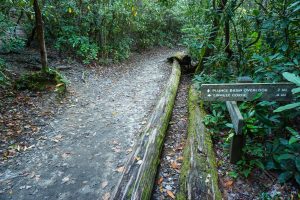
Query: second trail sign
{"type": "Point", "coordinates": [247, 91]}
{"type": "Point", "coordinates": [244, 91]}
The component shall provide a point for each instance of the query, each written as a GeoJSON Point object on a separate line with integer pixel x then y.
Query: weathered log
{"type": "Point", "coordinates": [185, 62]}
{"type": "Point", "coordinates": [140, 171]}
{"type": "Point", "coordinates": [199, 177]}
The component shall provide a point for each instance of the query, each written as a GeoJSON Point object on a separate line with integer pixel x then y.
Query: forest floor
{"type": "Point", "coordinates": [260, 184]}
{"type": "Point", "coordinates": [74, 147]}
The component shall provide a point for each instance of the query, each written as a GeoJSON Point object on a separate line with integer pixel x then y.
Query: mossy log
{"type": "Point", "coordinates": [181, 57]}
{"type": "Point", "coordinates": [199, 177]}
{"type": "Point", "coordinates": [185, 62]}
{"type": "Point", "coordinates": [139, 175]}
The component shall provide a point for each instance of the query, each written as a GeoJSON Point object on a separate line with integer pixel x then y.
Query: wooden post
{"type": "Point", "coordinates": [238, 139]}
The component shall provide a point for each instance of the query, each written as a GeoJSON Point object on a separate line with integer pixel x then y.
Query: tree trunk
{"type": "Point", "coordinates": [31, 37]}
{"type": "Point", "coordinates": [213, 35]}
{"type": "Point", "coordinates": [227, 38]}
{"type": "Point", "coordinates": [40, 35]}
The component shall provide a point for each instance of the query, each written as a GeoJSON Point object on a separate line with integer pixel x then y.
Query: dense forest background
{"type": "Point", "coordinates": [227, 38]}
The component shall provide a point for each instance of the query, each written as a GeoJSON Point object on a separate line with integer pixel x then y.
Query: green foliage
{"type": "Point", "coordinates": [81, 45]}
{"type": "Point", "coordinates": [110, 30]}
{"type": "Point", "coordinates": [12, 44]}
{"type": "Point", "coordinates": [294, 79]}
{"type": "Point", "coordinates": [285, 157]}
{"type": "Point", "coordinates": [266, 196]}
{"type": "Point", "coordinates": [51, 79]}
{"type": "Point", "coordinates": [96, 29]}
{"type": "Point", "coordinates": [216, 120]}
{"type": "Point", "coordinates": [264, 39]}
{"type": "Point", "coordinates": [10, 41]}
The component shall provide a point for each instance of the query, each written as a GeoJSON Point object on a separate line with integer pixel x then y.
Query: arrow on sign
{"type": "Point", "coordinates": [209, 95]}
{"type": "Point", "coordinates": [208, 90]}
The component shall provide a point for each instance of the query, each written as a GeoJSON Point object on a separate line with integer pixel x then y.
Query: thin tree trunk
{"type": "Point", "coordinates": [213, 35]}
{"type": "Point", "coordinates": [226, 30]}
{"type": "Point", "coordinates": [227, 38]}
{"type": "Point", "coordinates": [40, 35]}
{"type": "Point", "coordinates": [31, 37]}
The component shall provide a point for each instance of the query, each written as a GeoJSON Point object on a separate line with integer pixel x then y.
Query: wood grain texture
{"type": "Point", "coordinates": [236, 116]}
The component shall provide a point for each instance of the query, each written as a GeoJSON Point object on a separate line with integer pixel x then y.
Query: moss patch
{"type": "Point", "coordinates": [199, 158]}
{"type": "Point", "coordinates": [42, 80]}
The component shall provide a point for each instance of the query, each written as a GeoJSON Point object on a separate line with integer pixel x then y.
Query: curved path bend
{"type": "Point", "coordinates": [82, 150]}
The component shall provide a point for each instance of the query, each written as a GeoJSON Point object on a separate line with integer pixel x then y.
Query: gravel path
{"type": "Point", "coordinates": [80, 152]}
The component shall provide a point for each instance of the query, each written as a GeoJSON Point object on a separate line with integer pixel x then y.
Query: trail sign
{"type": "Point", "coordinates": [247, 91]}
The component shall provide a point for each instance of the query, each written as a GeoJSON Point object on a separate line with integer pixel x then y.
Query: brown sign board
{"type": "Point", "coordinates": [247, 91]}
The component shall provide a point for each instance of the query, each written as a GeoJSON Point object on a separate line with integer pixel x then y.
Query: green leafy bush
{"type": "Point", "coordinates": [265, 44]}
{"type": "Point", "coordinates": [110, 30]}
{"type": "Point", "coordinates": [9, 40]}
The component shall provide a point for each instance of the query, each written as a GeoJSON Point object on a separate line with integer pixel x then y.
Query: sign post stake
{"type": "Point", "coordinates": [238, 139]}
{"type": "Point", "coordinates": [236, 148]}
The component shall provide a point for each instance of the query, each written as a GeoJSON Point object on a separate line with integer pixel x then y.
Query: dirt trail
{"type": "Point", "coordinates": [81, 151]}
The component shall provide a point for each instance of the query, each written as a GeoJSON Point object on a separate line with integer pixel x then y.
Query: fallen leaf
{"type": "Point", "coordinates": [160, 180]}
{"type": "Point", "coordinates": [115, 142]}
{"type": "Point", "coordinates": [180, 158]}
{"type": "Point", "coordinates": [57, 138]}
{"type": "Point", "coordinates": [65, 179]}
{"type": "Point", "coordinates": [65, 155]}
{"type": "Point", "coordinates": [174, 165]}
{"type": "Point", "coordinates": [120, 169]}
{"type": "Point", "coordinates": [32, 175]}
{"type": "Point", "coordinates": [171, 194]}
{"type": "Point", "coordinates": [27, 126]}
{"type": "Point", "coordinates": [228, 183]}
{"type": "Point", "coordinates": [106, 196]}
{"type": "Point", "coordinates": [207, 178]}
{"type": "Point", "coordinates": [137, 158]}
{"type": "Point", "coordinates": [161, 189]}
{"type": "Point", "coordinates": [129, 150]}
{"type": "Point", "coordinates": [116, 149]}
{"type": "Point", "coordinates": [60, 84]}
{"type": "Point", "coordinates": [180, 147]}
{"type": "Point", "coordinates": [114, 113]}
{"type": "Point", "coordinates": [34, 128]}
{"type": "Point", "coordinates": [104, 184]}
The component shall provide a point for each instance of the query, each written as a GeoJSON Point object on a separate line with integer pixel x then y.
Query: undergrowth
{"type": "Point", "coordinates": [37, 81]}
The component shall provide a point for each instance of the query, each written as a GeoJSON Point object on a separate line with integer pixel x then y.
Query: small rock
{"type": "Point", "coordinates": [168, 187]}
{"type": "Point", "coordinates": [22, 187]}
{"type": "Point", "coordinates": [28, 187]}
